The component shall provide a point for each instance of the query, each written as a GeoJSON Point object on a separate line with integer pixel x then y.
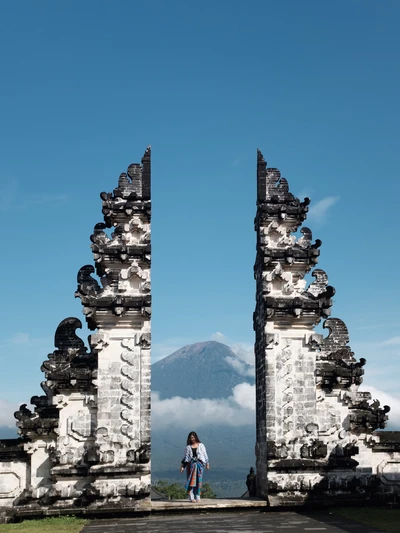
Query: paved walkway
{"type": "Point", "coordinates": [228, 522]}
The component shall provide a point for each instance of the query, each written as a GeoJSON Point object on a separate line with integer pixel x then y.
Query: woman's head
{"type": "Point", "coordinates": [192, 438]}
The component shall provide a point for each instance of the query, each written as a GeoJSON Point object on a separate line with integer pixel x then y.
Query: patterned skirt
{"type": "Point", "coordinates": [194, 472]}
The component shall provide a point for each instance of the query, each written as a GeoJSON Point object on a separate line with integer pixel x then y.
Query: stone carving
{"type": "Point", "coordinates": [130, 398]}
{"type": "Point", "coordinates": [315, 450]}
{"type": "Point", "coordinates": [88, 437]}
{"type": "Point", "coordinates": [251, 483]}
{"type": "Point", "coordinates": [86, 284]}
{"type": "Point", "coordinates": [70, 366]}
{"type": "Point", "coordinates": [310, 415]}
{"type": "Point", "coordinates": [29, 423]}
{"type": "Point", "coordinates": [80, 426]}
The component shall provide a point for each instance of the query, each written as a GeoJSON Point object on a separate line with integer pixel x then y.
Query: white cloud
{"type": "Point", "coordinates": [379, 326]}
{"type": "Point", "coordinates": [240, 367]}
{"type": "Point", "coordinates": [319, 210]}
{"type": "Point", "coordinates": [237, 410]}
{"type": "Point", "coordinates": [219, 337]}
{"type": "Point", "coordinates": [7, 410]}
{"type": "Point", "coordinates": [393, 341]}
{"type": "Point", "coordinates": [245, 396]}
{"type": "Point", "coordinates": [15, 199]}
{"type": "Point", "coordinates": [20, 338]}
{"type": "Point", "coordinates": [244, 351]}
{"type": "Point", "coordinates": [44, 198]}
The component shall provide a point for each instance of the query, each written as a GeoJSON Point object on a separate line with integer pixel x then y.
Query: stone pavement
{"type": "Point", "coordinates": [230, 522]}
{"type": "Point", "coordinates": [207, 504]}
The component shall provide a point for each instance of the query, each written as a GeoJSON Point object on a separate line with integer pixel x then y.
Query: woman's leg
{"type": "Point", "coordinates": [199, 483]}
{"type": "Point", "coordinates": [189, 474]}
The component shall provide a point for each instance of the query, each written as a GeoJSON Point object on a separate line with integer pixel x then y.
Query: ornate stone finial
{"type": "Point", "coordinates": [69, 366]}
{"type": "Point", "coordinates": [271, 185]}
{"type": "Point", "coordinates": [122, 260]}
{"type": "Point", "coordinates": [274, 198]}
{"type": "Point", "coordinates": [86, 284]}
{"type": "Point", "coordinates": [66, 339]}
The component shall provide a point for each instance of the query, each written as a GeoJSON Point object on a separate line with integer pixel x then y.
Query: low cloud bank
{"type": "Point", "coordinates": [242, 349]}
{"type": "Point", "coordinates": [237, 410]}
{"type": "Point", "coordinates": [240, 367]}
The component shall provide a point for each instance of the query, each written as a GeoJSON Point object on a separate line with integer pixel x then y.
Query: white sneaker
{"type": "Point", "coordinates": [197, 498]}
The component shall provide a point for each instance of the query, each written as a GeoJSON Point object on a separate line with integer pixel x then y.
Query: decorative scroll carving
{"type": "Point", "coordinates": [337, 368]}
{"type": "Point", "coordinates": [86, 284]}
{"type": "Point", "coordinates": [30, 424]}
{"type": "Point", "coordinates": [130, 385]}
{"type": "Point", "coordinates": [320, 288]}
{"type": "Point", "coordinates": [338, 336]}
{"type": "Point", "coordinates": [305, 240]}
{"type": "Point", "coordinates": [365, 416]}
{"type": "Point", "coordinates": [70, 366]}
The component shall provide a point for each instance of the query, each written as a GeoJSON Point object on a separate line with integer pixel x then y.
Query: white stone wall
{"type": "Point", "coordinates": [13, 480]}
{"type": "Point", "coordinates": [123, 377]}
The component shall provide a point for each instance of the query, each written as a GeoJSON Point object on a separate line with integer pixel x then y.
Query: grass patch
{"type": "Point", "coordinates": [61, 524]}
{"type": "Point", "coordinates": [377, 517]}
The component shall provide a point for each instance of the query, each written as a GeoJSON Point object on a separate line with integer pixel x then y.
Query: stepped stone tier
{"type": "Point", "coordinates": [317, 434]}
{"type": "Point", "coordinates": [87, 442]}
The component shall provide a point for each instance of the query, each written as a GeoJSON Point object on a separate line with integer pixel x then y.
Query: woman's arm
{"type": "Point", "coordinates": [205, 456]}
{"type": "Point", "coordinates": [186, 458]}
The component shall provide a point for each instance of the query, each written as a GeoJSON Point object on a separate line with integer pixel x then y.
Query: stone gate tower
{"type": "Point", "coordinates": [86, 446]}
{"type": "Point", "coordinates": [316, 437]}
{"type": "Point", "coordinates": [120, 311]}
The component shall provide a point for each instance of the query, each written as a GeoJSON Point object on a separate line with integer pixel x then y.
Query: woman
{"type": "Point", "coordinates": [194, 459]}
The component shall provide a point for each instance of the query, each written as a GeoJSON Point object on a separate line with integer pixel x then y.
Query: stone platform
{"type": "Point", "coordinates": [207, 504]}
{"type": "Point", "coordinates": [246, 521]}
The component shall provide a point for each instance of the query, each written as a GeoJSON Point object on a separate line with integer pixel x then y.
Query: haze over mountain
{"type": "Point", "coordinates": [202, 370]}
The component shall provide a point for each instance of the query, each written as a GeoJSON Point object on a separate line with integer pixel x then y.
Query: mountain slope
{"type": "Point", "coordinates": [202, 370]}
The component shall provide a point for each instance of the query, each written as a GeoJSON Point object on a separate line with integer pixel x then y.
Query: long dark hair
{"type": "Point", "coordinates": [195, 437]}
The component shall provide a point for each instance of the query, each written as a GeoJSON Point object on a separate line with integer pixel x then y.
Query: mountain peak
{"type": "Point", "coordinates": [202, 370]}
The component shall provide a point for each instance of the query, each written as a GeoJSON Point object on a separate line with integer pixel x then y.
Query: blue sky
{"type": "Point", "coordinates": [86, 86]}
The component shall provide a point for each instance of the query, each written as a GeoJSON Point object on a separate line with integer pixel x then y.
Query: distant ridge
{"type": "Point", "coordinates": [202, 370]}
{"type": "Point", "coordinates": [8, 433]}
